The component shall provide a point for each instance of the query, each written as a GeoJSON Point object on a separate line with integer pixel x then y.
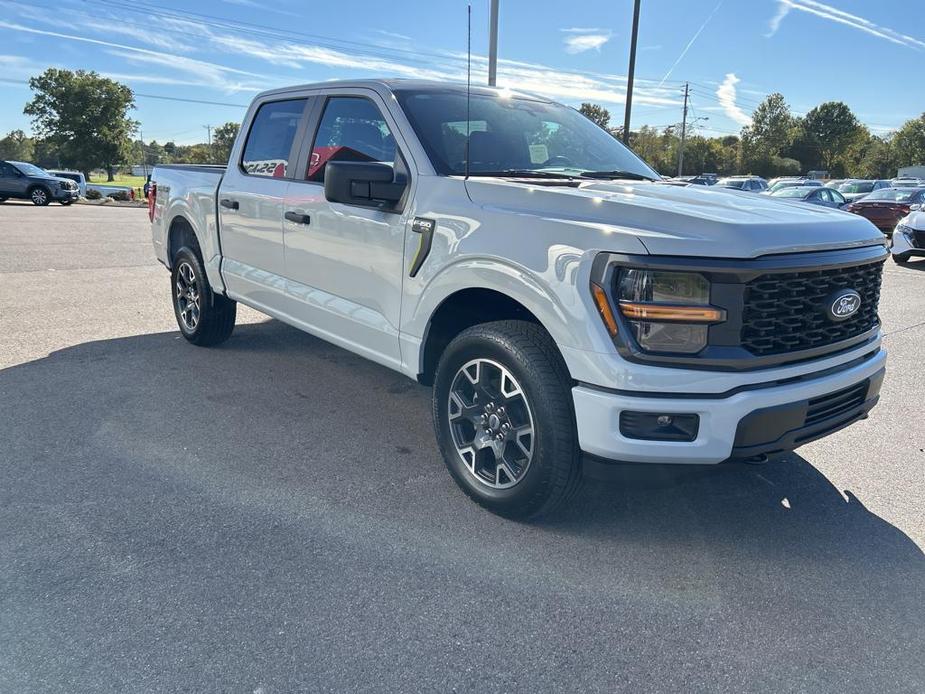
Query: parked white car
{"type": "Point", "coordinates": [566, 305]}
{"type": "Point", "coordinates": [908, 238]}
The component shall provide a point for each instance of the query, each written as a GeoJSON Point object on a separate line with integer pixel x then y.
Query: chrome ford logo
{"type": "Point", "coordinates": [843, 305]}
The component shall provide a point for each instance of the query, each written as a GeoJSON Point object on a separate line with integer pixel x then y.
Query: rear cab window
{"type": "Point", "coordinates": [269, 147]}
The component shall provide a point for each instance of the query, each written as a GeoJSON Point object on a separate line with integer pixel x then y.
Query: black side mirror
{"type": "Point", "coordinates": [370, 184]}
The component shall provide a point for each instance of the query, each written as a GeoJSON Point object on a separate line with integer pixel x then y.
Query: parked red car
{"type": "Point", "coordinates": [885, 207]}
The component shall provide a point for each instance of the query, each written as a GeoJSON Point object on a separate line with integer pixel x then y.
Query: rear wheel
{"type": "Point", "coordinates": [504, 421]}
{"type": "Point", "coordinates": [39, 196]}
{"type": "Point", "coordinates": [204, 318]}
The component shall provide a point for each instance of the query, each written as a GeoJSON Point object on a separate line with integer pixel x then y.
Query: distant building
{"type": "Point", "coordinates": [911, 172]}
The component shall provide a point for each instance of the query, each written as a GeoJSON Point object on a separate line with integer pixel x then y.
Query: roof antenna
{"type": "Point", "coordinates": [468, 83]}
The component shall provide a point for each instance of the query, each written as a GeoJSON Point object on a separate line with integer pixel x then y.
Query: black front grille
{"type": "Point", "coordinates": [786, 312]}
{"type": "Point", "coordinates": [835, 404]}
{"type": "Point", "coordinates": [918, 239]}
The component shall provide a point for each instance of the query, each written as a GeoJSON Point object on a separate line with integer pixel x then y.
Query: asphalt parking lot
{"type": "Point", "coordinates": [273, 516]}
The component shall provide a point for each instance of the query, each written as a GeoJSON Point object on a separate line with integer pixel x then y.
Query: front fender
{"type": "Point", "coordinates": [554, 297]}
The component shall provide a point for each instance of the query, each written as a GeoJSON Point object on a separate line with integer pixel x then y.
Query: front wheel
{"type": "Point", "coordinates": [204, 318]}
{"type": "Point", "coordinates": [504, 420]}
{"type": "Point", "coordinates": [39, 196]}
{"type": "Point", "coordinates": [902, 258]}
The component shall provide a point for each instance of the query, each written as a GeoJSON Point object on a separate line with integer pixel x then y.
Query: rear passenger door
{"type": "Point", "coordinates": [250, 202]}
{"type": "Point", "coordinates": [345, 262]}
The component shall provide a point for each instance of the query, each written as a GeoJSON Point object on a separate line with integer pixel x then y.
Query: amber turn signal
{"type": "Point", "coordinates": [603, 307]}
{"type": "Point", "coordinates": [656, 312]}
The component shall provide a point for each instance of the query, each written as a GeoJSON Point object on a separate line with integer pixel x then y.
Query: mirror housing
{"type": "Point", "coordinates": [369, 184]}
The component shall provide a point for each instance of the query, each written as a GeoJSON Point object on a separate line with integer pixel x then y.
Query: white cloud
{"type": "Point", "coordinates": [853, 21]}
{"type": "Point", "coordinates": [783, 9]}
{"type": "Point", "coordinates": [726, 94]}
{"type": "Point", "coordinates": [581, 39]}
{"type": "Point", "coordinates": [164, 66]}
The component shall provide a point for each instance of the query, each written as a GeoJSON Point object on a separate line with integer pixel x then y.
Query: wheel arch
{"type": "Point", "coordinates": [463, 309]}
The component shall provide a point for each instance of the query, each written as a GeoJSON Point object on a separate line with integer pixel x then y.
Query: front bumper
{"type": "Point", "coordinates": [902, 245]}
{"type": "Point", "coordinates": [65, 194]}
{"type": "Point", "coordinates": [739, 425]}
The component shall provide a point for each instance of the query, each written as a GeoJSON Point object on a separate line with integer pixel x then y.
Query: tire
{"type": "Point", "coordinates": [65, 203]}
{"type": "Point", "coordinates": [204, 318]}
{"type": "Point", "coordinates": [902, 258]}
{"type": "Point", "coordinates": [518, 369]}
{"type": "Point", "coordinates": [39, 195]}
{"type": "Point", "coordinates": [3, 199]}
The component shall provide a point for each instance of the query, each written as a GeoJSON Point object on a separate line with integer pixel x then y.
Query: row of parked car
{"type": "Point", "coordinates": [19, 179]}
{"type": "Point", "coordinates": [883, 202]}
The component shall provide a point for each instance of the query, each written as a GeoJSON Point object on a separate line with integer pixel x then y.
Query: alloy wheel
{"type": "Point", "coordinates": [39, 197]}
{"type": "Point", "coordinates": [491, 423]}
{"type": "Point", "coordinates": [187, 290]}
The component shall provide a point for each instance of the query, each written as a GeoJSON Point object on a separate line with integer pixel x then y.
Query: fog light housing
{"type": "Point", "coordinates": [659, 426]}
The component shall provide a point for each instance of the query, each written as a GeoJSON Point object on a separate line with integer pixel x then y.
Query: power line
{"type": "Point", "coordinates": [152, 96]}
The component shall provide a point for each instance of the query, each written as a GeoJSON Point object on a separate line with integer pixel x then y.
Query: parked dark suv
{"type": "Point", "coordinates": [27, 181]}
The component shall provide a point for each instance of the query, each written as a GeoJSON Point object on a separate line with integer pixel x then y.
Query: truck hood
{"type": "Point", "coordinates": [682, 220]}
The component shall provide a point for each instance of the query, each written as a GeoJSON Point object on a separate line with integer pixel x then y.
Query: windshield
{"type": "Point", "coordinates": [791, 192]}
{"type": "Point", "coordinates": [29, 169]}
{"type": "Point", "coordinates": [856, 187]}
{"type": "Point", "coordinates": [732, 182]}
{"type": "Point", "coordinates": [891, 194]}
{"type": "Point", "coordinates": [514, 136]}
{"type": "Point", "coordinates": [785, 184]}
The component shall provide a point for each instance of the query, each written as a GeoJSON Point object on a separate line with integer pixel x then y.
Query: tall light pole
{"type": "Point", "coordinates": [493, 44]}
{"type": "Point", "coordinates": [629, 75]}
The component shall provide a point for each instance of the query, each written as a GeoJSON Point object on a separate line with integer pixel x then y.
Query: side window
{"type": "Point", "coordinates": [270, 139]}
{"type": "Point", "coordinates": [351, 129]}
{"type": "Point", "coordinates": [6, 170]}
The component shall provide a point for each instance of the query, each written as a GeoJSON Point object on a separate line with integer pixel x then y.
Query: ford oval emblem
{"type": "Point", "coordinates": [843, 305]}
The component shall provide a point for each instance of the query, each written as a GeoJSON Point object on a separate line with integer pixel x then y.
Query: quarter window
{"type": "Point", "coordinates": [269, 142]}
{"type": "Point", "coordinates": [351, 129]}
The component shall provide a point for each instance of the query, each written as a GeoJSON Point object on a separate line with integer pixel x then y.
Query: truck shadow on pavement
{"type": "Point", "coordinates": [278, 427]}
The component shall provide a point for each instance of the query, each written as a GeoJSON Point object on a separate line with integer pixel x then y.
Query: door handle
{"type": "Point", "coordinates": [298, 217]}
{"type": "Point", "coordinates": [230, 204]}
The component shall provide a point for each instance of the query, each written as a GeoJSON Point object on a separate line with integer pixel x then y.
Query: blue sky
{"type": "Point", "coordinates": [864, 52]}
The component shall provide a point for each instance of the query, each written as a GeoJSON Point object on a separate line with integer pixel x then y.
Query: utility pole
{"type": "Point", "coordinates": [493, 44]}
{"type": "Point", "coordinates": [683, 130]}
{"type": "Point", "coordinates": [209, 130]}
{"type": "Point", "coordinates": [629, 76]}
{"type": "Point", "coordinates": [144, 159]}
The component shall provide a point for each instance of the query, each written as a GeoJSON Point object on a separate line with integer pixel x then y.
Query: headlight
{"type": "Point", "coordinates": [904, 230]}
{"type": "Point", "coordinates": [667, 311]}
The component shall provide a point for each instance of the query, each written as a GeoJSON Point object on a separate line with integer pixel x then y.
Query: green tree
{"type": "Point", "coordinates": [771, 130]}
{"type": "Point", "coordinates": [596, 113]}
{"type": "Point", "coordinates": [84, 116]}
{"type": "Point", "coordinates": [17, 146]}
{"type": "Point", "coordinates": [223, 140]}
{"type": "Point", "coordinates": [909, 143]}
{"type": "Point", "coordinates": [831, 128]}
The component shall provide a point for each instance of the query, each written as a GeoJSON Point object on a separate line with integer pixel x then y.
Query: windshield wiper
{"type": "Point", "coordinates": [524, 173]}
{"type": "Point", "coordinates": [616, 174]}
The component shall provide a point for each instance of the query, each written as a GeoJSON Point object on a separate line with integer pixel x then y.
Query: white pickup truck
{"type": "Point", "coordinates": [567, 306]}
